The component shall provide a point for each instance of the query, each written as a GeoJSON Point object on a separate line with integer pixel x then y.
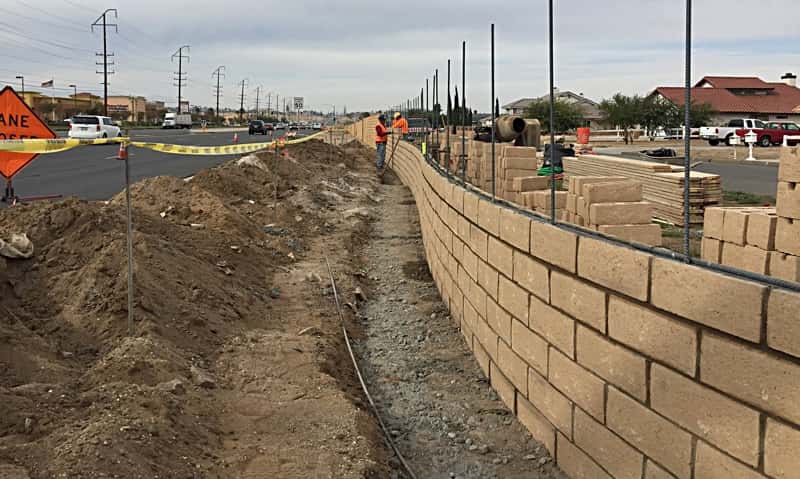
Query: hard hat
{"type": "Point", "coordinates": [397, 114]}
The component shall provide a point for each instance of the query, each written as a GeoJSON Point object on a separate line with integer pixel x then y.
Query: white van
{"type": "Point", "coordinates": [90, 127]}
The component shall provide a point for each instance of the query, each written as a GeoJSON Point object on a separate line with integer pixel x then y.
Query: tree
{"type": "Point", "coordinates": [658, 112]}
{"type": "Point", "coordinates": [568, 115]}
{"type": "Point", "coordinates": [623, 111]}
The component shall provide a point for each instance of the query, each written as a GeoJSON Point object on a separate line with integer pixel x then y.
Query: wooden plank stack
{"type": "Point", "coordinates": [662, 185]}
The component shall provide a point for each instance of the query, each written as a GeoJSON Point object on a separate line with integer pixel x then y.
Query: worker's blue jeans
{"type": "Point", "coordinates": [381, 155]}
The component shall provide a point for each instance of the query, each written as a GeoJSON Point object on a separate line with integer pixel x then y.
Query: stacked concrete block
{"type": "Point", "coordinates": [541, 202]}
{"type": "Point", "coordinates": [612, 205]}
{"type": "Point", "coordinates": [515, 162]}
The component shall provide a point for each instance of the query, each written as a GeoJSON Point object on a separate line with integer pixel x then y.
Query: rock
{"type": "Point", "coordinates": [175, 387]}
{"type": "Point", "coordinates": [275, 293]}
{"type": "Point", "coordinates": [484, 449]}
{"type": "Point", "coordinates": [473, 448]}
{"type": "Point", "coordinates": [497, 461]}
{"type": "Point", "coordinates": [28, 425]}
{"type": "Point", "coordinates": [66, 354]}
{"type": "Point", "coordinates": [202, 378]}
{"type": "Point", "coordinates": [62, 218]}
{"type": "Point", "coordinates": [529, 457]}
{"type": "Point", "coordinates": [361, 212]}
{"type": "Point", "coordinates": [451, 435]}
{"type": "Point", "coordinates": [197, 226]}
{"type": "Point", "coordinates": [312, 331]}
{"type": "Point", "coordinates": [544, 460]}
{"type": "Point", "coordinates": [359, 294]}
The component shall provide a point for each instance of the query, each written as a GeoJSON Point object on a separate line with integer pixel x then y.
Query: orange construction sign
{"type": "Point", "coordinates": [18, 122]}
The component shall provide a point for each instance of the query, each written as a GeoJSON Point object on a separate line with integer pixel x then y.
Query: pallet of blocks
{"type": "Point", "coordinates": [612, 205]}
{"type": "Point", "coordinates": [662, 184]}
{"type": "Point", "coordinates": [515, 162]}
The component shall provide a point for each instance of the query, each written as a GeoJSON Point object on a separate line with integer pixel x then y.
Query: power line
{"type": "Point", "coordinates": [105, 53]}
{"type": "Point", "coordinates": [14, 31]}
{"type": "Point", "coordinates": [40, 21]}
{"type": "Point", "coordinates": [181, 77]}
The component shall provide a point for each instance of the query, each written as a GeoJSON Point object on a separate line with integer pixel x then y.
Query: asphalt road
{"type": "Point", "coordinates": [93, 173]}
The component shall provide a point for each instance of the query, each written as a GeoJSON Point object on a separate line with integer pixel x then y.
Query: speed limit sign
{"type": "Point", "coordinates": [298, 103]}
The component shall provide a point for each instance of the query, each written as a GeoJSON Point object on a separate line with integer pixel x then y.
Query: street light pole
{"type": "Point", "coordinates": [22, 79]}
{"type": "Point", "coordinates": [75, 96]}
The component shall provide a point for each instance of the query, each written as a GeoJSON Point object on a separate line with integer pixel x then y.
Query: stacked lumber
{"type": "Point", "coordinates": [612, 205]}
{"type": "Point", "coordinates": [761, 240]}
{"type": "Point", "coordinates": [662, 185]}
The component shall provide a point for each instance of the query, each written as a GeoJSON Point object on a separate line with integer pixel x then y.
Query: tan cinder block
{"type": "Point", "coordinates": [761, 230]}
{"type": "Point", "coordinates": [483, 334]}
{"type": "Point", "coordinates": [714, 223]}
{"type": "Point", "coordinates": [711, 250]}
{"type": "Point", "coordinates": [787, 236]}
{"type": "Point", "coordinates": [784, 266]}
{"type": "Point", "coordinates": [531, 275]}
{"type": "Point", "coordinates": [471, 207]}
{"type": "Point", "coordinates": [487, 278]}
{"type": "Point", "coordinates": [735, 226]}
{"type": "Point", "coordinates": [531, 183]}
{"type": "Point", "coordinates": [554, 245]}
{"type": "Point", "coordinates": [489, 217]}
{"type": "Point", "coordinates": [513, 299]}
{"type": "Point", "coordinates": [612, 192]}
{"type": "Point", "coordinates": [782, 443]}
{"type": "Point", "coordinates": [469, 261]}
{"type": "Point", "coordinates": [530, 346]}
{"type": "Point", "coordinates": [528, 199]}
{"type": "Point", "coordinates": [580, 385]}
{"type": "Point", "coordinates": [511, 186]}
{"type": "Point", "coordinates": [748, 258]}
{"type": "Point", "coordinates": [751, 375]}
{"type": "Point", "coordinates": [581, 208]}
{"type": "Point", "coordinates": [518, 172]}
{"type": "Point", "coordinates": [615, 364]}
{"type": "Point", "coordinates": [515, 229]}
{"type": "Point", "coordinates": [649, 234]}
{"type": "Point", "coordinates": [783, 321]}
{"type": "Point", "coordinates": [578, 299]}
{"type": "Point", "coordinates": [572, 203]}
{"type": "Point", "coordinates": [501, 384]}
{"type": "Point", "coordinates": [557, 328]}
{"type": "Point", "coordinates": [482, 357]}
{"type": "Point", "coordinates": [789, 169]}
{"type": "Point", "coordinates": [712, 463]}
{"type": "Point", "coordinates": [519, 152]}
{"type": "Point", "coordinates": [539, 427]}
{"type": "Point", "coordinates": [467, 333]}
{"type": "Point", "coordinates": [463, 230]}
{"type": "Point", "coordinates": [576, 463]}
{"type": "Point", "coordinates": [716, 300]}
{"type": "Point", "coordinates": [499, 320]}
{"type": "Point", "coordinates": [552, 404]}
{"type": "Point", "coordinates": [501, 257]}
{"type": "Point", "coordinates": [616, 267]}
{"type": "Point", "coordinates": [621, 213]}
{"type": "Point", "coordinates": [542, 199]}
{"type": "Point", "coordinates": [514, 368]}
{"type": "Point", "coordinates": [788, 200]}
{"type": "Point", "coordinates": [478, 241]}
{"type": "Point", "coordinates": [611, 452]}
{"type": "Point", "coordinates": [457, 199]}
{"type": "Point", "coordinates": [654, 471]}
{"type": "Point", "coordinates": [727, 424]}
{"type": "Point", "coordinates": [527, 163]}
{"type": "Point", "coordinates": [577, 182]}
{"type": "Point", "coordinates": [655, 335]}
{"type": "Point", "coordinates": [650, 433]}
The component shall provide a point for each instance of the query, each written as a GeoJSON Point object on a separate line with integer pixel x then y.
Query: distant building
{"type": "Point", "coordinates": [58, 108]}
{"type": "Point", "coordinates": [742, 97]}
{"type": "Point", "coordinates": [128, 108]}
{"type": "Point", "coordinates": [590, 108]}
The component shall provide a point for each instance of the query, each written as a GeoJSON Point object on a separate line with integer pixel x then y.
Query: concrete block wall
{"type": "Point", "coordinates": [623, 364]}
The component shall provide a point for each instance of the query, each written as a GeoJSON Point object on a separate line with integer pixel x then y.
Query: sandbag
{"type": "Point", "coordinates": [18, 246]}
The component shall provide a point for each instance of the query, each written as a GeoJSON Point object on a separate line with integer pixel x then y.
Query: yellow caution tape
{"type": "Point", "coordinates": [41, 146]}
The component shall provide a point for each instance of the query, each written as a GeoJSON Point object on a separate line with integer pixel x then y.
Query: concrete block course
{"type": "Point", "coordinates": [735, 226]}
{"type": "Point", "coordinates": [478, 241]}
{"type": "Point", "coordinates": [616, 364]}
{"type": "Point", "coordinates": [787, 236]}
{"type": "Point", "coordinates": [488, 278]}
{"type": "Point", "coordinates": [663, 338]}
{"type": "Point", "coordinates": [580, 385]}
{"type": "Point", "coordinates": [727, 424]}
{"type": "Point", "coordinates": [620, 213]}
{"type": "Point", "coordinates": [751, 375]}
{"type": "Point", "coordinates": [579, 299]}
{"type": "Point", "coordinates": [514, 368]}
{"type": "Point", "coordinates": [530, 183]}
{"type": "Point", "coordinates": [620, 269]}
{"type": "Point", "coordinates": [660, 439]}
{"type": "Point", "coordinates": [501, 384]}
{"type": "Point", "coordinates": [711, 250]}
{"type": "Point", "coordinates": [761, 230]}
{"type": "Point", "coordinates": [531, 347]}
{"type": "Point", "coordinates": [614, 454]}
{"type": "Point", "coordinates": [783, 321]}
{"type": "Point", "coordinates": [789, 169]}
{"type": "Point", "coordinates": [489, 217]}
{"type": "Point", "coordinates": [557, 328]}
{"type": "Point", "coordinates": [788, 200]}
{"type": "Point", "coordinates": [576, 463]}
{"type": "Point", "coordinates": [612, 192]}
{"type": "Point", "coordinates": [499, 321]}
{"type": "Point", "coordinates": [784, 266]}
{"type": "Point", "coordinates": [536, 423]}
{"type": "Point", "coordinates": [532, 275]}
{"type": "Point", "coordinates": [781, 448]}
{"type": "Point", "coordinates": [556, 407]}
{"type": "Point", "coordinates": [501, 257]}
{"type": "Point", "coordinates": [654, 471]}
{"type": "Point", "coordinates": [712, 463]}
{"type": "Point", "coordinates": [648, 234]}
{"type": "Point", "coordinates": [515, 229]}
{"type": "Point", "coordinates": [554, 246]}
{"type": "Point", "coordinates": [714, 220]}
{"type": "Point", "coordinates": [513, 299]}
{"type": "Point", "coordinates": [716, 300]}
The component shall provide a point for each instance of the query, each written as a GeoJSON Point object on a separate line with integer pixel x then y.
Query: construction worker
{"type": "Point", "coordinates": [382, 133]}
{"type": "Point", "coordinates": [400, 123]}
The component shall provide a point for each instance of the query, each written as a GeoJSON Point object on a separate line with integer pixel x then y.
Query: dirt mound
{"type": "Point", "coordinates": [79, 397]}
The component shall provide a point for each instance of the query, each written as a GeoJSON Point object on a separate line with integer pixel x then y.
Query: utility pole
{"type": "Point", "coordinates": [258, 95]}
{"type": "Point", "coordinates": [269, 103]}
{"type": "Point", "coordinates": [241, 100]}
{"type": "Point", "coordinates": [219, 73]}
{"type": "Point", "coordinates": [181, 78]}
{"type": "Point", "coordinates": [75, 96]}
{"type": "Point", "coordinates": [22, 79]}
{"type": "Point", "coordinates": [105, 54]}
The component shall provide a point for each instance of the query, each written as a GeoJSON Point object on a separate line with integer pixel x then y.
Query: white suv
{"type": "Point", "coordinates": [90, 127]}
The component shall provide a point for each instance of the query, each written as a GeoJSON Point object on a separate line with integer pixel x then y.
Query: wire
{"type": "Point", "coordinates": [45, 22]}
{"type": "Point", "coordinates": [14, 31]}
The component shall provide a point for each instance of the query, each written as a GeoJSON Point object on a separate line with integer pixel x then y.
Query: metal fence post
{"type": "Point", "coordinates": [687, 134]}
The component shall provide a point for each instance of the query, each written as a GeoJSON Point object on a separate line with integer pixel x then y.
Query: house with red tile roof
{"type": "Point", "coordinates": [743, 97]}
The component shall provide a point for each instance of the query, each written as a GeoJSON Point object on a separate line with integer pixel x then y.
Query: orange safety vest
{"type": "Point", "coordinates": [401, 124]}
{"type": "Point", "coordinates": [381, 133]}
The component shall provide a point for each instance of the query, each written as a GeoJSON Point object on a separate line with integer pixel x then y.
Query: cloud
{"type": "Point", "coordinates": [370, 55]}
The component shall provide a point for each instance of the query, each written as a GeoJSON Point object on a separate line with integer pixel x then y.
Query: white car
{"type": "Point", "coordinates": [90, 127]}
{"type": "Point", "coordinates": [316, 126]}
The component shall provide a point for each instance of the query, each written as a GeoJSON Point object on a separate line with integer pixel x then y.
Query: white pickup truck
{"type": "Point", "coordinates": [718, 134]}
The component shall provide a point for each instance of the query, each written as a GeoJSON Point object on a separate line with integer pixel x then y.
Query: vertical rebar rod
{"type": "Point", "coordinates": [494, 120]}
{"type": "Point", "coordinates": [436, 107]}
{"type": "Point", "coordinates": [552, 122]}
{"type": "Point", "coordinates": [449, 111]}
{"type": "Point", "coordinates": [463, 110]}
{"type": "Point", "coordinates": [687, 133]}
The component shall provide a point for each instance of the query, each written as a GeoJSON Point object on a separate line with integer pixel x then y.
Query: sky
{"type": "Point", "coordinates": [367, 55]}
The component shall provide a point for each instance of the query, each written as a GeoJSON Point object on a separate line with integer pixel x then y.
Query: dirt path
{"type": "Point", "coordinates": [445, 417]}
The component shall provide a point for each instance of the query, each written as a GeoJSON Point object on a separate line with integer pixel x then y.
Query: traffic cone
{"type": "Point", "coordinates": [236, 138]}
{"type": "Point", "coordinates": [123, 152]}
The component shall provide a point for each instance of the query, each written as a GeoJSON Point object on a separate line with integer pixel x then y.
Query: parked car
{"type": "Point", "coordinates": [280, 126]}
{"type": "Point", "coordinates": [257, 126]}
{"type": "Point", "coordinates": [718, 134]}
{"type": "Point", "coordinates": [269, 126]}
{"type": "Point", "coordinates": [316, 126]}
{"type": "Point", "coordinates": [90, 127]}
{"type": "Point", "coordinates": [773, 133]}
